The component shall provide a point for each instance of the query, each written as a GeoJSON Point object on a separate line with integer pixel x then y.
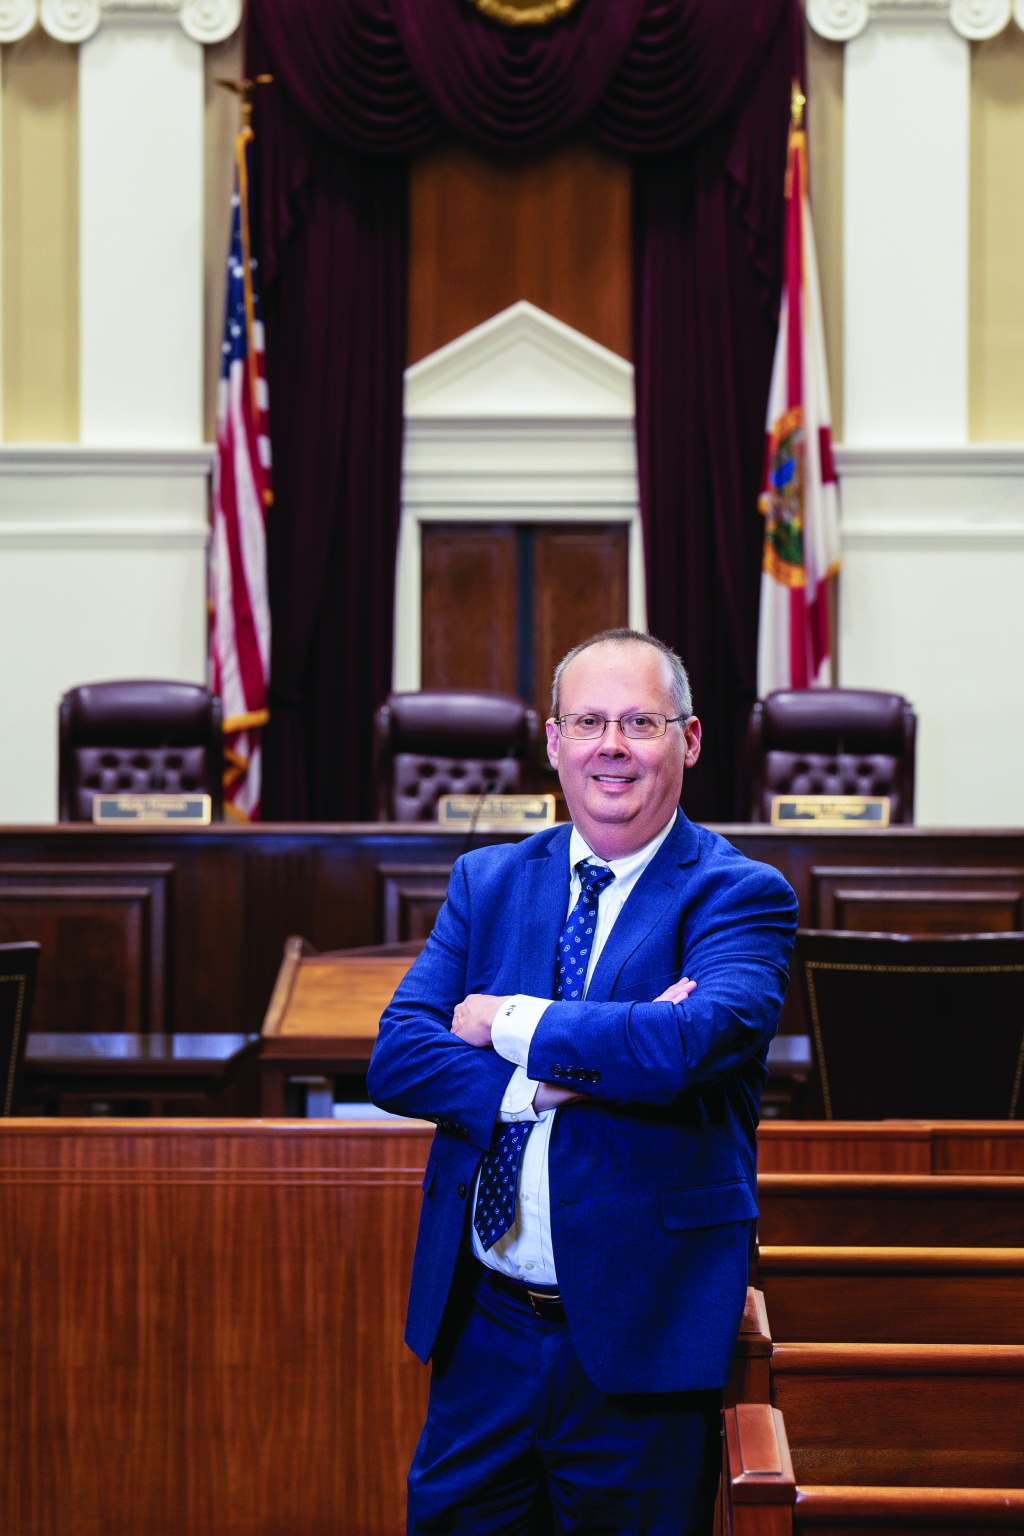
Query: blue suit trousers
{"type": "Point", "coordinates": [518, 1440]}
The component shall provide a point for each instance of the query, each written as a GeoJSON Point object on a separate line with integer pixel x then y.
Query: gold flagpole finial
{"type": "Point", "coordinates": [797, 102]}
{"type": "Point", "coordinates": [246, 89]}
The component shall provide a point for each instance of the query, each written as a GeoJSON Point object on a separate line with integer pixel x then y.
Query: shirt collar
{"type": "Point", "coordinates": [630, 863]}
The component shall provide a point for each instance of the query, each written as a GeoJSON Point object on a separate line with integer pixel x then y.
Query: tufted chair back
{"type": "Point", "coordinates": [139, 738]}
{"type": "Point", "coordinates": [455, 743]}
{"type": "Point", "coordinates": [832, 741]}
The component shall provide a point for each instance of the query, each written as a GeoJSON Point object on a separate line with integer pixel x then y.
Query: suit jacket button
{"type": "Point", "coordinates": [462, 1191]}
{"type": "Point", "coordinates": [595, 1077]}
{"type": "Point", "coordinates": [556, 1070]}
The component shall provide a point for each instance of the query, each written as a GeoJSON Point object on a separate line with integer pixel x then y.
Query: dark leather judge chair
{"type": "Point", "coordinates": [455, 743]}
{"type": "Point", "coordinates": [18, 963]}
{"type": "Point", "coordinates": [912, 1027]}
{"type": "Point", "coordinates": [139, 738]}
{"type": "Point", "coordinates": [832, 741]}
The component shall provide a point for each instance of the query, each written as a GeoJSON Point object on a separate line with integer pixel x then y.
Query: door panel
{"type": "Point", "coordinates": [468, 632]}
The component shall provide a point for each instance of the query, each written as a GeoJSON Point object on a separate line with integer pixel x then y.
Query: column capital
{"type": "Point", "coordinates": [842, 20]}
{"type": "Point", "coordinates": [74, 21]}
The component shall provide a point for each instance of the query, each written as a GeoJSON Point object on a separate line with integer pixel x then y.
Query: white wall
{"type": "Point", "coordinates": [931, 607]}
{"type": "Point", "coordinates": [102, 575]}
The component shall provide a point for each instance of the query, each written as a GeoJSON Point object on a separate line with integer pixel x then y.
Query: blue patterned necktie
{"type": "Point", "coordinates": [499, 1172]}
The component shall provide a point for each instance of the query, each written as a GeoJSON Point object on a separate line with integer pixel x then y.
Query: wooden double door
{"type": "Point", "coordinates": [503, 602]}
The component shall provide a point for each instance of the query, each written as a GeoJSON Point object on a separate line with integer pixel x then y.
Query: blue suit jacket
{"type": "Point", "coordinates": [653, 1178]}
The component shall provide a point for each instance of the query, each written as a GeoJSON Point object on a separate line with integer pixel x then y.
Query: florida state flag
{"type": "Point", "coordinates": [799, 499]}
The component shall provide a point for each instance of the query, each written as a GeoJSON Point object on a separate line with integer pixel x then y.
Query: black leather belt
{"type": "Point", "coordinates": [545, 1303]}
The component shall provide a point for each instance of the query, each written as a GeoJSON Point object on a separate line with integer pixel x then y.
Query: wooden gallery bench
{"type": "Point", "coordinates": [879, 1437]}
{"type": "Point", "coordinates": [891, 1210]}
{"type": "Point", "coordinates": [893, 1295]}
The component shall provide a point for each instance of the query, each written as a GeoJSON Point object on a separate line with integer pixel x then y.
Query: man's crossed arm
{"type": "Point", "coordinates": [473, 1022]}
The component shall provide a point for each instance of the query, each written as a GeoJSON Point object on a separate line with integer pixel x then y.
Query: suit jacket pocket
{"type": "Point", "coordinates": [707, 1205]}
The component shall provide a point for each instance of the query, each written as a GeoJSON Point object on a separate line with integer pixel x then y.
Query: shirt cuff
{"type": "Point", "coordinates": [513, 1027]}
{"type": "Point", "coordinates": [518, 1101]}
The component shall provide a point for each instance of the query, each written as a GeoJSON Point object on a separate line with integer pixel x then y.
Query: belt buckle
{"type": "Point", "coordinates": [539, 1300]}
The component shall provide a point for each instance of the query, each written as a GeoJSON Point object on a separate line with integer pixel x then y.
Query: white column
{"type": "Point", "coordinates": [140, 125]}
{"type": "Point", "coordinates": [905, 212]}
{"type": "Point", "coordinates": [141, 212]}
{"type": "Point", "coordinates": [906, 138]}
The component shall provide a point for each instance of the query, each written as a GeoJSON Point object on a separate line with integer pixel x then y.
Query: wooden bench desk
{"type": "Point", "coordinates": [132, 1074]}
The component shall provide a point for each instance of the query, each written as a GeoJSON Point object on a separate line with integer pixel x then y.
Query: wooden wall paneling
{"type": "Point", "coordinates": [411, 897]}
{"type": "Point", "coordinates": [487, 230]}
{"type": "Point", "coordinates": [935, 901]}
{"type": "Point", "coordinates": [105, 932]}
{"type": "Point", "coordinates": [468, 620]}
{"type": "Point", "coordinates": [202, 1327]}
{"type": "Point", "coordinates": [580, 586]}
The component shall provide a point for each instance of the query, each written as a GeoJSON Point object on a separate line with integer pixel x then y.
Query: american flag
{"type": "Point", "coordinates": [800, 497]}
{"type": "Point", "coordinates": [239, 604]}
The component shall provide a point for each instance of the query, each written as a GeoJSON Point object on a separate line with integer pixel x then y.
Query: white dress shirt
{"type": "Point", "coordinates": [524, 1253]}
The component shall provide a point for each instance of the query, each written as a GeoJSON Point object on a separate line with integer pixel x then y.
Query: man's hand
{"type": "Point", "coordinates": [548, 1096]}
{"type": "Point", "coordinates": [474, 1016]}
{"type": "Point", "coordinates": [678, 992]}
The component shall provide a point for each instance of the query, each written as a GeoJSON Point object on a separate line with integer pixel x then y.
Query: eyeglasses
{"type": "Point", "coordinates": [642, 726]}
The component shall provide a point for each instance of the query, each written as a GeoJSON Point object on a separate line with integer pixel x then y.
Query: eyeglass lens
{"type": "Point", "coordinates": [587, 727]}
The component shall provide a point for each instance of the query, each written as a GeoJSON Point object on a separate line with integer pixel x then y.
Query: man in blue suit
{"type": "Point", "coordinates": [588, 1026]}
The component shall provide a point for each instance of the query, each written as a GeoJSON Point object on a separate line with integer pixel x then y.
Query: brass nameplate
{"type": "Point", "coordinates": [152, 810]}
{"type": "Point", "coordinates": [830, 810]}
{"type": "Point", "coordinates": [496, 813]}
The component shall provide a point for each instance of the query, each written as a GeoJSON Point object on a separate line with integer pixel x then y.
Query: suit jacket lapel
{"type": "Point", "coordinates": [545, 900]}
{"type": "Point", "coordinates": [645, 905]}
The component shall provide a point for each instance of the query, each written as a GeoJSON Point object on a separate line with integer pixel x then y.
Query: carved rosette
{"type": "Point", "coordinates": [74, 21]}
{"type": "Point", "coordinates": [842, 20]}
{"type": "Point", "coordinates": [17, 18]}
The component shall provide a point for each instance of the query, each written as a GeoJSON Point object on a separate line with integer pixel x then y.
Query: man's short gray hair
{"type": "Point", "coordinates": [682, 699]}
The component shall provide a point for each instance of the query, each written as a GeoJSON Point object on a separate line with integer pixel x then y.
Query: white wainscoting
{"type": "Point", "coordinates": [102, 575]}
{"type": "Point", "coordinates": [932, 606]}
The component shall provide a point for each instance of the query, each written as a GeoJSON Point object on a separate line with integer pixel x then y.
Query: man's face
{"type": "Point", "coordinates": [620, 791]}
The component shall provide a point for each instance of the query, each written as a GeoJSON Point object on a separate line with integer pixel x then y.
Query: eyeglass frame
{"type": "Point", "coordinates": [668, 719]}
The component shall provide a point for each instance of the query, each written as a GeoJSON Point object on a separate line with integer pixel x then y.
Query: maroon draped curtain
{"type": "Point", "coordinates": [697, 91]}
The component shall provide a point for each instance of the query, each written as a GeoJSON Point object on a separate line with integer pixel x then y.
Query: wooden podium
{"type": "Point", "coordinates": [323, 1014]}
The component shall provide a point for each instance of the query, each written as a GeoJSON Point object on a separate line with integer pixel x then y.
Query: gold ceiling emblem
{"type": "Point", "coordinates": [524, 13]}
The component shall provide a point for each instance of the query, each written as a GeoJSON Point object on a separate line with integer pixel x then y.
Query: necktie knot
{"type": "Point", "coordinates": [594, 877]}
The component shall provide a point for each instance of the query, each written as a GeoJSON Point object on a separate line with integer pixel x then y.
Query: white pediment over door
{"type": "Point", "coordinates": [521, 420]}
{"type": "Point", "coordinates": [520, 363]}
